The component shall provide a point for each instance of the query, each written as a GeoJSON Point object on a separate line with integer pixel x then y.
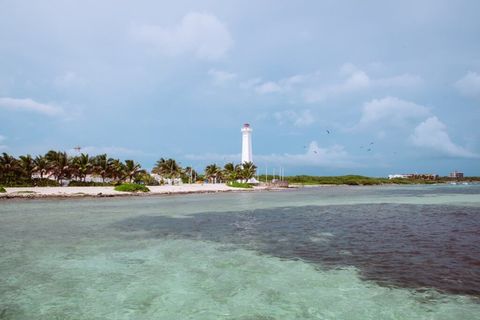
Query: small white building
{"type": "Point", "coordinates": [160, 179]}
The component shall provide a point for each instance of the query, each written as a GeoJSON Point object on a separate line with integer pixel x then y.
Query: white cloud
{"type": "Point", "coordinates": [200, 34]}
{"type": "Point", "coordinates": [392, 111]}
{"type": "Point", "coordinates": [432, 134]}
{"type": "Point", "coordinates": [469, 85]}
{"type": "Point", "coordinates": [220, 77]}
{"type": "Point", "coordinates": [250, 83]}
{"type": "Point", "coordinates": [357, 80]}
{"type": "Point", "coordinates": [268, 87]}
{"type": "Point", "coordinates": [316, 156]}
{"type": "Point", "coordinates": [110, 151]}
{"type": "Point", "coordinates": [335, 156]}
{"type": "Point", "coordinates": [283, 85]}
{"type": "Point", "coordinates": [30, 105]}
{"type": "Point", "coordinates": [298, 119]}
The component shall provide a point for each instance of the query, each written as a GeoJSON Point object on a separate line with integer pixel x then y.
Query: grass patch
{"type": "Point", "coordinates": [236, 184]}
{"type": "Point", "coordinates": [25, 191]}
{"type": "Point", "coordinates": [2, 189]}
{"type": "Point", "coordinates": [132, 187]}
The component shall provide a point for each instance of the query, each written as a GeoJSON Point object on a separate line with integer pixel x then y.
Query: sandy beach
{"type": "Point", "coordinates": [59, 192]}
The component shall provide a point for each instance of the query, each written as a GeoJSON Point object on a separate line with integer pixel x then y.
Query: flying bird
{"type": "Point", "coordinates": [371, 143]}
{"type": "Point", "coordinates": [77, 148]}
{"type": "Point", "coordinates": [369, 149]}
{"type": "Point", "coordinates": [328, 131]}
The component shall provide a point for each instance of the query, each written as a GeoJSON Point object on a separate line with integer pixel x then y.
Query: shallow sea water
{"type": "Point", "coordinates": [394, 252]}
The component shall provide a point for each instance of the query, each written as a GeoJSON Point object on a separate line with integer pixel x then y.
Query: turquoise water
{"type": "Point", "coordinates": [222, 256]}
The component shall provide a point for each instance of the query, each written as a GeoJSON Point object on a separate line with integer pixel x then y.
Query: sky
{"type": "Point", "coordinates": [329, 87]}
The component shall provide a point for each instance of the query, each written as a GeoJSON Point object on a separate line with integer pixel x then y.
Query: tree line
{"type": "Point", "coordinates": [171, 169]}
{"type": "Point", "coordinates": [56, 167]}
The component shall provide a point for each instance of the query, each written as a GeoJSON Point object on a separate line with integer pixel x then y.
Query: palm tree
{"type": "Point", "coordinates": [213, 173]}
{"type": "Point", "coordinates": [27, 165]}
{"type": "Point", "coordinates": [117, 169]}
{"type": "Point", "coordinates": [83, 166]}
{"type": "Point", "coordinates": [239, 172]}
{"type": "Point", "coordinates": [101, 166]}
{"type": "Point", "coordinates": [248, 170]}
{"type": "Point", "coordinates": [132, 169]}
{"type": "Point", "coordinates": [59, 164]}
{"type": "Point", "coordinates": [229, 171]}
{"type": "Point", "coordinates": [9, 168]}
{"type": "Point", "coordinates": [167, 168]}
{"type": "Point", "coordinates": [190, 174]}
{"type": "Point", "coordinates": [40, 165]}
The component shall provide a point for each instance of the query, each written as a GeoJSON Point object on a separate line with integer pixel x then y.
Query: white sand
{"type": "Point", "coordinates": [40, 192]}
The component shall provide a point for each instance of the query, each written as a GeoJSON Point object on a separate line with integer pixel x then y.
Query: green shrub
{"type": "Point", "coordinates": [2, 189]}
{"type": "Point", "coordinates": [236, 184]}
{"type": "Point", "coordinates": [132, 187]}
{"type": "Point", "coordinates": [146, 179]}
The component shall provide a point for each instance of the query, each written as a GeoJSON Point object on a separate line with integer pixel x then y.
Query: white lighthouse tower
{"type": "Point", "coordinates": [246, 143]}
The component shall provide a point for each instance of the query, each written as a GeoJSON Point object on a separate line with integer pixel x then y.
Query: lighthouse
{"type": "Point", "coordinates": [246, 143]}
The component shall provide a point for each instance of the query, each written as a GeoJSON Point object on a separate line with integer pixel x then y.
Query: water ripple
{"type": "Point", "coordinates": [415, 246]}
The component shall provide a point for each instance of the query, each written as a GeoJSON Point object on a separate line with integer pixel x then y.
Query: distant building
{"type": "Point", "coordinates": [399, 176]}
{"type": "Point", "coordinates": [424, 176]}
{"type": "Point", "coordinates": [457, 175]}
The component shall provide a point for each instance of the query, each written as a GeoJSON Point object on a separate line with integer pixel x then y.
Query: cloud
{"type": "Point", "coordinates": [283, 85]}
{"type": "Point", "coordinates": [357, 80]}
{"type": "Point", "coordinates": [392, 111]}
{"type": "Point", "coordinates": [335, 156]}
{"type": "Point", "coordinates": [268, 87]}
{"type": "Point", "coordinates": [298, 119]}
{"type": "Point", "coordinates": [250, 83]}
{"type": "Point", "coordinates": [220, 77]}
{"type": "Point", "coordinates": [110, 151]}
{"type": "Point", "coordinates": [30, 105]}
{"type": "Point", "coordinates": [469, 85]}
{"type": "Point", "coordinates": [200, 34]}
{"type": "Point", "coordinates": [316, 156]}
{"type": "Point", "coordinates": [432, 134]}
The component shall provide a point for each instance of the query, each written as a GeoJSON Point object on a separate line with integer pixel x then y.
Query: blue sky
{"type": "Point", "coordinates": [397, 84]}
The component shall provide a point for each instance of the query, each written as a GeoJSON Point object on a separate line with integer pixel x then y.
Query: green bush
{"type": "Point", "coordinates": [2, 189]}
{"type": "Point", "coordinates": [236, 184]}
{"type": "Point", "coordinates": [132, 187]}
{"type": "Point", "coordinates": [146, 179]}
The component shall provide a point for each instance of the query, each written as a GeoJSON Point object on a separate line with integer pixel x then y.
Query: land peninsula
{"type": "Point", "coordinates": [57, 174]}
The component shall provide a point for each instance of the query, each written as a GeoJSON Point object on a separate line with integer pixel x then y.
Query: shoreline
{"type": "Point", "coordinates": [109, 192]}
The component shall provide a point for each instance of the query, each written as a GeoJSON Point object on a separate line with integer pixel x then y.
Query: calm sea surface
{"type": "Point", "coordinates": [394, 252]}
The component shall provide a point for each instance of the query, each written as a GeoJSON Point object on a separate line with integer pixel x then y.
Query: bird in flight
{"type": "Point", "coordinates": [328, 131]}
{"type": "Point", "coordinates": [77, 148]}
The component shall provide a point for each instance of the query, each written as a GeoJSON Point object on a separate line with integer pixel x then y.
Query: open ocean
{"type": "Point", "coordinates": [383, 252]}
